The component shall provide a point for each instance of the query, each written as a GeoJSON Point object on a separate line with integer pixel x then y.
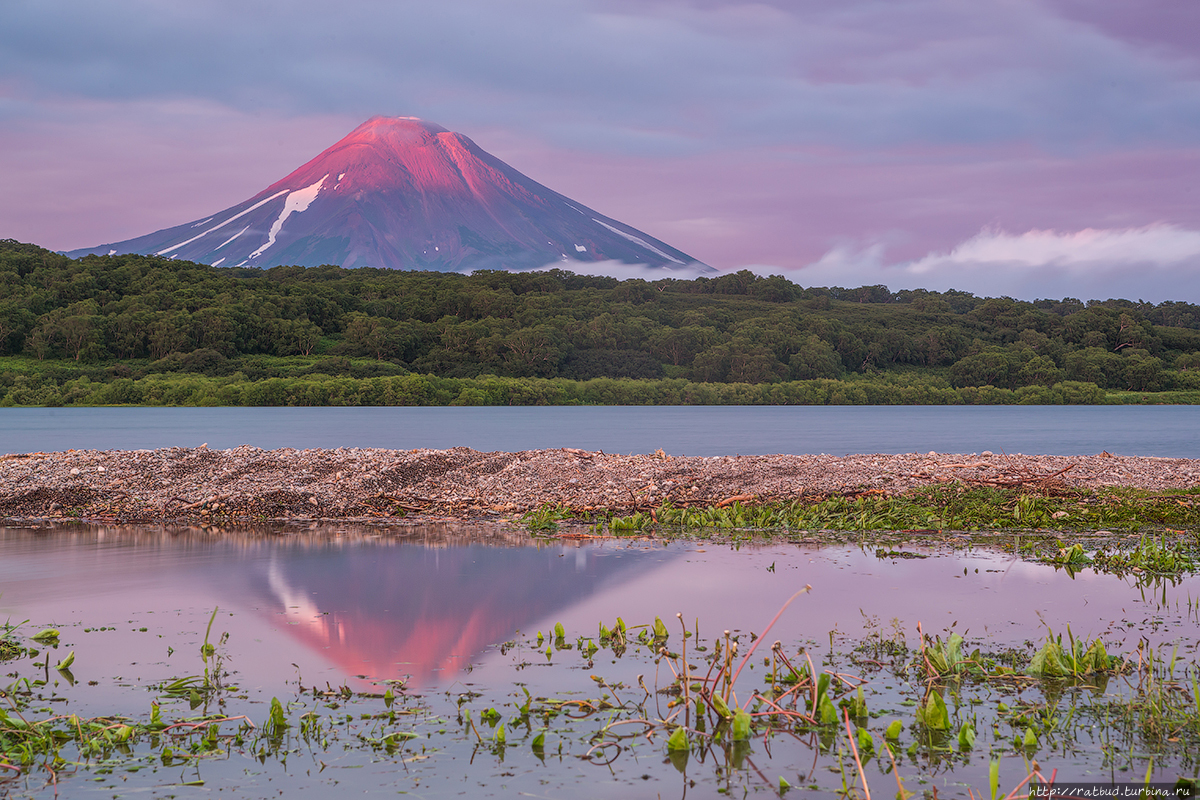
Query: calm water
{"type": "Point", "coordinates": [435, 607]}
{"type": "Point", "coordinates": [1168, 431]}
{"type": "Point", "coordinates": [419, 604]}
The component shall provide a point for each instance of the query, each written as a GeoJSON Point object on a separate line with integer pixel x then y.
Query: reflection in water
{"type": "Point", "coordinates": [427, 601]}
{"type": "Point", "coordinates": [380, 604]}
{"type": "Point", "coordinates": [384, 611]}
{"type": "Point", "coordinates": [344, 601]}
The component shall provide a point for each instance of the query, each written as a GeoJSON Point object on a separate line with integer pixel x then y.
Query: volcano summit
{"type": "Point", "coordinates": [407, 194]}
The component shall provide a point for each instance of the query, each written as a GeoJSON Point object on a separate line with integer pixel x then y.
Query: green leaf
{"type": "Point", "coordinates": [277, 720]}
{"type": "Point", "coordinates": [826, 712]}
{"type": "Point", "coordinates": [678, 740]}
{"type": "Point", "coordinates": [866, 744]}
{"type": "Point", "coordinates": [559, 631]}
{"type": "Point", "coordinates": [660, 630]}
{"type": "Point", "coordinates": [858, 706]}
{"type": "Point", "coordinates": [741, 726]}
{"type": "Point", "coordinates": [156, 722]}
{"type": "Point", "coordinates": [933, 714]}
{"type": "Point", "coordinates": [954, 651]}
{"type": "Point", "coordinates": [1097, 659]}
{"type": "Point", "coordinates": [66, 662]}
{"type": "Point", "coordinates": [500, 736]}
{"type": "Point", "coordinates": [1031, 739]}
{"type": "Point", "coordinates": [46, 636]}
{"type": "Point", "coordinates": [966, 736]}
{"type": "Point", "coordinates": [1048, 662]}
{"type": "Point", "coordinates": [539, 741]}
{"type": "Point", "coordinates": [994, 777]}
{"type": "Point", "coordinates": [893, 730]}
{"type": "Point", "coordinates": [718, 704]}
{"type": "Point", "coordinates": [783, 784]}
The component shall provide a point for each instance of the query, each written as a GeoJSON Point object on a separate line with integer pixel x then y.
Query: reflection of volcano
{"type": "Point", "coordinates": [390, 611]}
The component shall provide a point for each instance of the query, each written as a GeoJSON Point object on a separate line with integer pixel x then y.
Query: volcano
{"type": "Point", "coordinates": [403, 193]}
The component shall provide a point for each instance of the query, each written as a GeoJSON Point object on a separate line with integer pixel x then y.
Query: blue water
{"type": "Point", "coordinates": [1169, 431]}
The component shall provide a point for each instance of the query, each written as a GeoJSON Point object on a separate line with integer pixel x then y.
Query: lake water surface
{"type": "Point", "coordinates": [1167, 431]}
{"type": "Point", "coordinates": [452, 615]}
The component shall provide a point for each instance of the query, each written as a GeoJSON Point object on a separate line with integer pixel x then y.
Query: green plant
{"type": "Point", "coordinates": [545, 518]}
{"type": "Point", "coordinates": [1076, 659]}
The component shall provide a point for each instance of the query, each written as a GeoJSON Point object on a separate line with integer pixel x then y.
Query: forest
{"type": "Point", "coordinates": [130, 329]}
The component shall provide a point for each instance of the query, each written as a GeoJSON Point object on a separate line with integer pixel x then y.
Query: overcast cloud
{"type": "Point", "coordinates": [867, 136]}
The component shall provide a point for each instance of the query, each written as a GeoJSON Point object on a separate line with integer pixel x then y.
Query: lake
{"type": "Point", "coordinates": [1167, 431]}
{"type": "Point", "coordinates": [424, 660]}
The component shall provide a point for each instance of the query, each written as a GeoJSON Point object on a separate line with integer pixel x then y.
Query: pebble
{"type": "Point", "coordinates": [367, 483]}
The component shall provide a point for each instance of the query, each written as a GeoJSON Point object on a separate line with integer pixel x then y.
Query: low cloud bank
{"type": "Point", "coordinates": [1155, 263]}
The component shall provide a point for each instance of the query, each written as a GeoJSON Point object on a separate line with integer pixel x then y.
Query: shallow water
{"type": "Point", "coordinates": [452, 610]}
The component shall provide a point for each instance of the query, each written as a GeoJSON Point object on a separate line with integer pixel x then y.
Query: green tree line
{"type": "Point", "coordinates": [128, 318]}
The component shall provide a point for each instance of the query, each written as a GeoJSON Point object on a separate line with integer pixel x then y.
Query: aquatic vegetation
{"type": "Point", "coordinates": [947, 660]}
{"type": "Point", "coordinates": [1077, 659]}
{"type": "Point", "coordinates": [1071, 558]}
{"type": "Point", "coordinates": [10, 646]}
{"type": "Point", "coordinates": [951, 507]}
{"type": "Point", "coordinates": [1166, 554]}
{"type": "Point", "coordinates": [61, 742]}
{"type": "Point", "coordinates": [855, 719]}
{"type": "Point", "coordinates": [545, 518]}
{"type": "Point", "coordinates": [1151, 554]}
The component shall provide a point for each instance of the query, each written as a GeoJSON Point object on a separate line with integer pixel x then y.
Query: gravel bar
{"type": "Point", "coordinates": [188, 485]}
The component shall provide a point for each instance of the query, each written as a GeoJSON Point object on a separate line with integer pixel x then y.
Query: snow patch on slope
{"type": "Point", "coordinates": [638, 240]}
{"type": "Point", "coordinates": [230, 239]}
{"type": "Point", "coordinates": [259, 204]}
{"type": "Point", "coordinates": [297, 202]}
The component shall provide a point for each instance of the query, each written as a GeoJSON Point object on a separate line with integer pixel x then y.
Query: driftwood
{"type": "Point", "coordinates": [398, 503]}
{"type": "Point", "coordinates": [1026, 480]}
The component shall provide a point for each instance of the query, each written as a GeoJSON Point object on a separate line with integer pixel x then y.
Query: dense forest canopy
{"type": "Point", "coordinates": [129, 316]}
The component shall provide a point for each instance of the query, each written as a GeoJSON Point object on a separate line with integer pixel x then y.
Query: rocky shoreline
{"type": "Point", "coordinates": [195, 485]}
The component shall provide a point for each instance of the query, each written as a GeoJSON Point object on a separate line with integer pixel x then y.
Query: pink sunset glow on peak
{"type": "Point", "coordinates": [404, 194]}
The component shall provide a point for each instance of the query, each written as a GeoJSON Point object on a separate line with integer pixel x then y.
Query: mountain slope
{"type": "Point", "coordinates": [402, 193]}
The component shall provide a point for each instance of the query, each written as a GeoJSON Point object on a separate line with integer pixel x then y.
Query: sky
{"type": "Point", "coordinates": [1030, 148]}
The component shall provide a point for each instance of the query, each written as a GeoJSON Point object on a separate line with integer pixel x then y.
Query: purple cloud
{"type": "Point", "coordinates": [771, 133]}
